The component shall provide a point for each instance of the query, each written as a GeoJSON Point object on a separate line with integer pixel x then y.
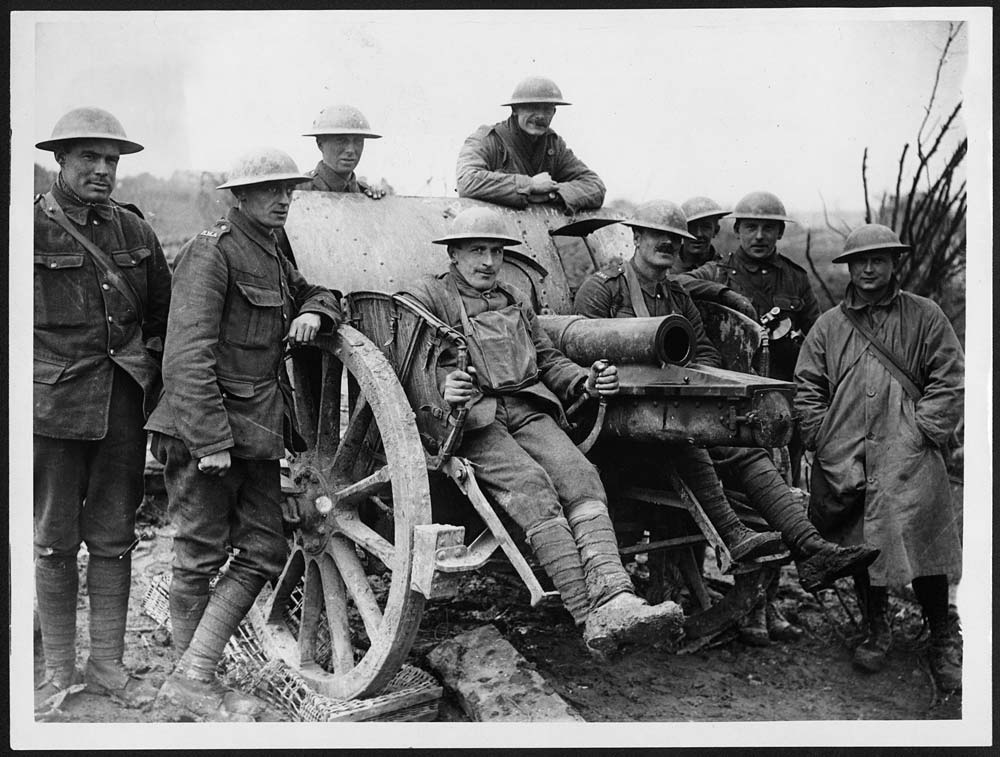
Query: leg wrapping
{"type": "Point", "coordinates": [56, 586]}
{"type": "Point", "coordinates": [594, 534]}
{"type": "Point", "coordinates": [554, 546]}
{"type": "Point", "coordinates": [771, 497]}
{"type": "Point", "coordinates": [108, 583]}
{"type": "Point", "coordinates": [226, 608]}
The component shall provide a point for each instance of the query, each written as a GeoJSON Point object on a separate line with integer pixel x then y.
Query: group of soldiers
{"type": "Point", "coordinates": [124, 346]}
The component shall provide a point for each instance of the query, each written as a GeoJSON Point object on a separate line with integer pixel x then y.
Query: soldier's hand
{"type": "Point", "coordinates": [739, 303]}
{"type": "Point", "coordinates": [542, 183]}
{"type": "Point", "coordinates": [375, 193]}
{"type": "Point", "coordinates": [216, 464]}
{"type": "Point", "coordinates": [603, 379]}
{"type": "Point", "coordinates": [304, 328]}
{"type": "Point", "coordinates": [458, 387]}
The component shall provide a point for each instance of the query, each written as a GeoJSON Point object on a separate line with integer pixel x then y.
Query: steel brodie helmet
{"type": "Point", "coordinates": [697, 208]}
{"type": "Point", "coordinates": [341, 119]}
{"type": "Point", "coordinates": [89, 123]}
{"type": "Point", "coordinates": [660, 215]}
{"type": "Point", "coordinates": [260, 166]}
{"type": "Point", "coordinates": [869, 238]}
{"type": "Point", "coordinates": [536, 89]}
{"type": "Point", "coordinates": [478, 223]}
{"type": "Point", "coordinates": [761, 206]}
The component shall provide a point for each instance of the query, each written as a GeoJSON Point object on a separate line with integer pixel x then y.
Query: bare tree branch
{"type": "Point", "coordinates": [812, 267]}
{"type": "Point", "coordinates": [864, 183]}
{"type": "Point", "coordinates": [953, 30]}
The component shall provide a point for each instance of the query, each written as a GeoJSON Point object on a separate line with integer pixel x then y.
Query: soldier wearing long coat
{"type": "Point", "coordinates": [878, 408]}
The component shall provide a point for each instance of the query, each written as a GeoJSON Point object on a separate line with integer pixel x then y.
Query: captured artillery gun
{"type": "Point", "coordinates": [372, 543]}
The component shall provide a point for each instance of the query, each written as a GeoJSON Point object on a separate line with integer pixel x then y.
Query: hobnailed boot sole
{"type": "Point", "coordinates": [820, 570]}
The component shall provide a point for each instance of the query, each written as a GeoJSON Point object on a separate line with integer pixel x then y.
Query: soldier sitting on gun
{"type": "Point", "coordinates": [643, 287]}
{"type": "Point", "coordinates": [524, 460]}
{"type": "Point", "coordinates": [521, 160]}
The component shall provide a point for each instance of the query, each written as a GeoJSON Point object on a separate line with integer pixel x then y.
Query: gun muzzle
{"type": "Point", "coordinates": [654, 341]}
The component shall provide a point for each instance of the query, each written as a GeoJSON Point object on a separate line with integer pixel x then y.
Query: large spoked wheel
{"type": "Point", "coordinates": [343, 613]}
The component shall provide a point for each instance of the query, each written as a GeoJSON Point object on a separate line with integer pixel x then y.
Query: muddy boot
{"type": "Point", "coordinates": [870, 656]}
{"type": "Point", "coordinates": [778, 626]}
{"type": "Point", "coordinates": [753, 625]}
{"type": "Point", "coordinates": [626, 619]}
{"type": "Point", "coordinates": [830, 562]}
{"type": "Point", "coordinates": [57, 681]}
{"type": "Point", "coordinates": [208, 699]}
{"type": "Point", "coordinates": [945, 654]}
{"type": "Point", "coordinates": [112, 679]}
{"type": "Point", "coordinates": [945, 651]}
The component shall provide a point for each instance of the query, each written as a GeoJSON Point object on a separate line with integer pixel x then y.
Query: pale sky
{"type": "Point", "coordinates": [666, 104]}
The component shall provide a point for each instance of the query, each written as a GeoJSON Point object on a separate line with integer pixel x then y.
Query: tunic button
{"type": "Point", "coordinates": [105, 287]}
{"type": "Point", "coordinates": [52, 265]}
{"type": "Point", "coordinates": [111, 352]}
{"type": "Point", "coordinates": [111, 319]}
{"type": "Point", "coordinates": [871, 479]}
{"type": "Point", "coordinates": [871, 435]}
{"type": "Point", "coordinates": [871, 392]}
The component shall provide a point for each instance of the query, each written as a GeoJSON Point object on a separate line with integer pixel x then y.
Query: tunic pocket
{"type": "Point", "coordinates": [255, 318]}
{"type": "Point", "coordinates": [131, 263]}
{"type": "Point", "coordinates": [49, 369]}
{"type": "Point", "coordinates": [62, 289]}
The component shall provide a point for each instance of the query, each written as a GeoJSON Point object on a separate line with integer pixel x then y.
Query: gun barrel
{"type": "Point", "coordinates": [667, 339]}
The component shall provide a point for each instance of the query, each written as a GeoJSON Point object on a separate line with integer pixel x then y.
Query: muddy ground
{"type": "Point", "coordinates": [811, 679]}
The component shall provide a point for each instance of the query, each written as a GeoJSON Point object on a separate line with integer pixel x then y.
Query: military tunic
{"type": "Point", "coordinates": [324, 179]}
{"type": "Point", "coordinates": [879, 474]}
{"type": "Point", "coordinates": [225, 389]}
{"type": "Point", "coordinates": [524, 460]}
{"type": "Point", "coordinates": [774, 282]}
{"type": "Point", "coordinates": [494, 165]}
{"type": "Point", "coordinates": [95, 362]}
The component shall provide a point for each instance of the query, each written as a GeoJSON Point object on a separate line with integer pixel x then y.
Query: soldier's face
{"type": "Point", "coordinates": [871, 271]}
{"type": "Point", "coordinates": [268, 203]}
{"type": "Point", "coordinates": [534, 118]}
{"type": "Point", "coordinates": [704, 231]}
{"type": "Point", "coordinates": [89, 167]}
{"type": "Point", "coordinates": [478, 260]}
{"type": "Point", "coordinates": [657, 249]}
{"type": "Point", "coordinates": [342, 152]}
{"type": "Point", "coordinates": [759, 238]}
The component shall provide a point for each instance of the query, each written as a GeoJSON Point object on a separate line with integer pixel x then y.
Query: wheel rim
{"type": "Point", "coordinates": [342, 612]}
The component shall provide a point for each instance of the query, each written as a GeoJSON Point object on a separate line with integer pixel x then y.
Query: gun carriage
{"type": "Point", "coordinates": [372, 543]}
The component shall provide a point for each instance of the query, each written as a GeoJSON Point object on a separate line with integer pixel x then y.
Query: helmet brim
{"type": "Point", "coordinates": [763, 217]}
{"type": "Point", "coordinates": [125, 146]}
{"type": "Point", "coordinates": [250, 180]}
{"type": "Point", "coordinates": [845, 257]}
{"type": "Point", "coordinates": [716, 214]}
{"type": "Point", "coordinates": [507, 241]}
{"type": "Point", "coordinates": [659, 227]}
{"type": "Point", "coordinates": [366, 133]}
{"type": "Point", "coordinates": [551, 101]}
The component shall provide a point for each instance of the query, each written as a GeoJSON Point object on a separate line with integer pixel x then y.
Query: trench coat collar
{"type": "Point", "coordinates": [77, 209]}
{"type": "Point", "coordinates": [854, 301]}
{"type": "Point", "coordinates": [261, 235]}
{"type": "Point", "coordinates": [335, 181]}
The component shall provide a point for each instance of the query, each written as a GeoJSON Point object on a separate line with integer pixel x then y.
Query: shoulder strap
{"type": "Point", "coordinates": [635, 292]}
{"type": "Point", "coordinates": [52, 209]}
{"type": "Point", "coordinates": [892, 362]}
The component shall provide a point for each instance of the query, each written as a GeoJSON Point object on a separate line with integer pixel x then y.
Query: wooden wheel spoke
{"type": "Point", "coordinates": [337, 618]}
{"type": "Point", "coordinates": [287, 581]}
{"type": "Point", "coordinates": [369, 540]}
{"type": "Point", "coordinates": [353, 438]}
{"type": "Point", "coordinates": [356, 582]}
{"type": "Point", "coordinates": [361, 490]}
{"type": "Point", "coordinates": [328, 413]}
{"type": "Point", "coordinates": [312, 606]}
